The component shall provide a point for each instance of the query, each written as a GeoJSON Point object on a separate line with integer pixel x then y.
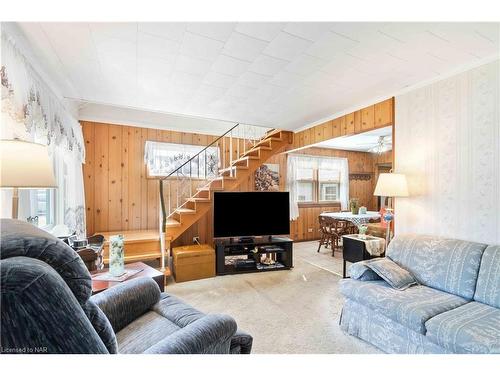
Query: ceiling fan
{"type": "Point", "coordinates": [384, 143]}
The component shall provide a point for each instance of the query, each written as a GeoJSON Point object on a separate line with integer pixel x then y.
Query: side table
{"type": "Point", "coordinates": [354, 250]}
{"type": "Point", "coordinates": [146, 271]}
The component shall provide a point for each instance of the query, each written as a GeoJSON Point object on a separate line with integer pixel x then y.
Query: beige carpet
{"type": "Point", "coordinates": [294, 311]}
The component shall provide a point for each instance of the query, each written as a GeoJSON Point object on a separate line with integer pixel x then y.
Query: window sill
{"type": "Point", "coordinates": [319, 204]}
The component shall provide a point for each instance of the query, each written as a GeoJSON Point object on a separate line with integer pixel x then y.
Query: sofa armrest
{"type": "Point", "coordinates": [210, 334]}
{"type": "Point", "coordinates": [241, 343]}
{"type": "Point", "coordinates": [125, 302]}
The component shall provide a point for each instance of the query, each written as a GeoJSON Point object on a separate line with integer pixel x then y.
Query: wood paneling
{"type": "Point", "coordinates": [372, 117]}
{"type": "Point", "coordinates": [384, 113]}
{"type": "Point", "coordinates": [119, 195]}
{"type": "Point", "coordinates": [367, 118]}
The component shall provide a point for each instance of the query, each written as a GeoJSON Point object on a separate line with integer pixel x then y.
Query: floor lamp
{"type": "Point", "coordinates": [24, 165]}
{"type": "Point", "coordinates": [391, 185]}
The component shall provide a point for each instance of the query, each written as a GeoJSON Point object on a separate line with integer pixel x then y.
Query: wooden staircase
{"type": "Point", "coordinates": [195, 207]}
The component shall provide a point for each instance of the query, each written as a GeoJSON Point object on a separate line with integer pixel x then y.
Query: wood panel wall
{"type": "Point", "coordinates": [372, 117]}
{"type": "Point", "coordinates": [119, 196]}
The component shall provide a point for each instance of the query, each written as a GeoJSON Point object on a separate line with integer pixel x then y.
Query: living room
{"type": "Point", "coordinates": [245, 186]}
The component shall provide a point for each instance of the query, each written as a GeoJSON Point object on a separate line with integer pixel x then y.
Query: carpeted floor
{"type": "Point", "coordinates": [294, 311]}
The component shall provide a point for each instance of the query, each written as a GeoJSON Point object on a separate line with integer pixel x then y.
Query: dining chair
{"type": "Point", "coordinates": [325, 231]}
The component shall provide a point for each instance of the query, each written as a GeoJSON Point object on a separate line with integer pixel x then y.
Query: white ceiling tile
{"type": "Point", "coordinates": [72, 45]}
{"type": "Point", "coordinates": [305, 72]}
{"type": "Point", "coordinates": [185, 80]}
{"type": "Point", "coordinates": [308, 30]}
{"type": "Point", "coordinates": [261, 30]}
{"type": "Point", "coordinates": [156, 47]}
{"type": "Point", "coordinates": [243, 47]}
{"type": "Point", "coordinates": [305, 64]}
{"type": "Point", "coordinates": [122, 30]}
{"type": "Point", "coordinates": [267, 65]}
{"type": "Point", "coordinates": [330, 45]}
{"type": "Point", "coordinates": [219, 79]}
{"type": "Point", "coordinates": [286, 46]}
{"type": "Point", "coordinates": [230, 65]}
{"type": "Point", "coordinates": [215, 30]}
{"type": "Point", "coordinates": [200, 46]}
{"type": "Point", "coordinates": [286, 79]}
{"type": "Point", "coordinates": [192, 65]}
{"type": "Point", "coordinates": [116, 48]}
{"type": "Point", "coordinates": [171, 30]}
{"type": "Point", "coordinates": [240, 91]}
{"type": "Point", "coordinates": [252, 79]}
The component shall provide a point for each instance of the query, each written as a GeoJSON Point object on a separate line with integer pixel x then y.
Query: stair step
{"type": "Point", "coordinates": [228, 169]}
{"type": "Point", "coordinates": [172, 223]}
{"type": "Point", "coordinates": [185, 211]}
{"type": "Point", "coordinates": [206, 188]}
{"type": "Point", "coordinates": [194, 199]}
{"type": "Point", "coordinates": [257, 148]}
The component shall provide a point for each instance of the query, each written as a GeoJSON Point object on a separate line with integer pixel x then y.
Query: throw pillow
{"type": "Point", "coordinates": [392, 273]}
{"type": "Point", "coordinates": [360, 271]}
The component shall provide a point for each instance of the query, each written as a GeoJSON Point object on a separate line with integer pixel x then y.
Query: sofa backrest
{"type": "Point", "coordinates": [488, 281]}
{"type": "Point", "coordinates": [445, 264]}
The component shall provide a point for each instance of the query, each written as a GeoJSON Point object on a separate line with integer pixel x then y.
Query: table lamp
{"type": "Point", "coordinates": [24, 165]}
{"type": "Point", "coordinates": [391, 185]}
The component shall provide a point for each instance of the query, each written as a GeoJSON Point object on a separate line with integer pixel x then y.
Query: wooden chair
{"type": "Point", "coordinates": [325, 231]}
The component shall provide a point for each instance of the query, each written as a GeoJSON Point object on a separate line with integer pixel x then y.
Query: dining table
{"type": "Point", "coordinates": [356, 219]}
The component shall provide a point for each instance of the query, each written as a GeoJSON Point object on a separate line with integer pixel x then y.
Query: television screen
{"type": "Point", "coordinates": [251, 214]}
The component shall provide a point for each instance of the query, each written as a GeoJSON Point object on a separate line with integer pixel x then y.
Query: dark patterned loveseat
{"type": "Point", "coordinates": [46, 307]}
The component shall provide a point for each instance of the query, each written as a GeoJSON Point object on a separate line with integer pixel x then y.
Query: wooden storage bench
{"type": "Point", "coordinates": [193, 262]}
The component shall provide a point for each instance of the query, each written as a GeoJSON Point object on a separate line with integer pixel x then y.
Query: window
{"type": "Point", "coordinates": [305, 177]}
{"type": "Point", "coordinates": [164, 158]}
{"type": "Point", "coordinates": [42, 206]}
{"type": "Point", "coordinates": [318, 185]}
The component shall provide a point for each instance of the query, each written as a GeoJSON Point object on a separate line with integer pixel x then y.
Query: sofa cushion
{"type": "Point", "coordinates": [392, 273]}
{"type": "Point", "coordinates": [144, 332]}
{"type": "Point", "coordinates": [470, 328]}
{"type": "Point", "coordinates": [22, 239]}
{"type": "Point", "coordinates": [411, 307]}
{"type": "Point", "coordinates": [448, 265]}
{"type": "Point", "coordinates": [488, 280]}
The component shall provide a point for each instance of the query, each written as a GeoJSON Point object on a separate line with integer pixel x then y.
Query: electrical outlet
{"type": "Point", "coordinates": [309, 230]}
{"type": "Point", "coordinates": [196, 239]}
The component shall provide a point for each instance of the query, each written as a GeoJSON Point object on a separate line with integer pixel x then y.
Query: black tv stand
{"type": "Point", "coordinates": [245, 239]}
{"type": "Point", "coordinates": [244, 257]}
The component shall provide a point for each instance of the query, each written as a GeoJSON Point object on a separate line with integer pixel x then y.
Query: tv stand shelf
{"type": "Point", "coordinates": [282, 253]}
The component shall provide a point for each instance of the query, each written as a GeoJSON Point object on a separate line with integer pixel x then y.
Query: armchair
{"type": "Point", "coordinates": [47, 307]}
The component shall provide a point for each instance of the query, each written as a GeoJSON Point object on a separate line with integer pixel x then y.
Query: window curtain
{"type": "Point", "coordinates": [297, 162]}
{"type": "Point", "coordinates": [31, 111]}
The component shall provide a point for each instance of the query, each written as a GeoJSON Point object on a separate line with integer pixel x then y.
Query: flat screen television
{"type": "Point", "coordinates": [245, 214]}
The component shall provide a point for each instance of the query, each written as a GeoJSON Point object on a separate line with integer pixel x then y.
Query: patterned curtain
{"type": "Point", "coordinates": [31, 111]}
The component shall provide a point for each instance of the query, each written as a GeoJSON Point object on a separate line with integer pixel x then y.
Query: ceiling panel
{"type": "Point", "coordinates": [274, 74]}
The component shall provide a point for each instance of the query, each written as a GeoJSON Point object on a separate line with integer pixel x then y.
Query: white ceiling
{"type": "Point", "coordinates": [273, 74]}
{"type": "Point", "coordinates": [359, 142]}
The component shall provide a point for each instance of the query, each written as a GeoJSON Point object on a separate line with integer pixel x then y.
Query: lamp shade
{"type": "Point", "coordinates": [25, 165]}
{"type": "Point", "coordinates": [391, 185]}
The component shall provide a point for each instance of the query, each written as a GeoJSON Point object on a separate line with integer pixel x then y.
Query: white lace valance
{"type": "Point", "coordinates": [27, 99]}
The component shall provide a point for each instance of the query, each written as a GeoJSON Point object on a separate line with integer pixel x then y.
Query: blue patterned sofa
{"type": "Point", "coordinates": [46, 307]}
{"type": "Point", "coordinates": [455, 308]}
